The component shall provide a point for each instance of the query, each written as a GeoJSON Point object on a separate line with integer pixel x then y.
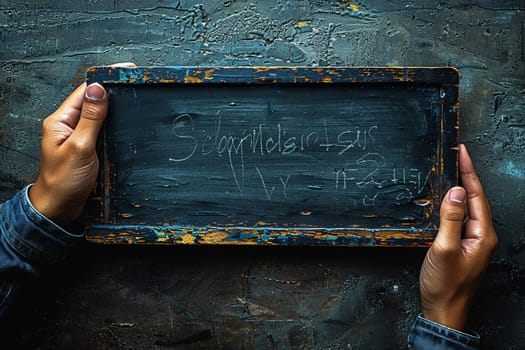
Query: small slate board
{"type": "Point", "coordinates": [275, 155]}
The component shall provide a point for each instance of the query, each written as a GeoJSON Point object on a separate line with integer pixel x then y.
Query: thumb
{"type": "Point", "coordinates": [452, 214]}
{"type": "Point", "coordinates": [92, 115]}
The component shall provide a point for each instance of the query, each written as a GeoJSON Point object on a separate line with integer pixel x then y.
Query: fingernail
{"type": "Point", "coordinates": [457, 195]}
{"type": "Point", "coordinates": [95, 92]}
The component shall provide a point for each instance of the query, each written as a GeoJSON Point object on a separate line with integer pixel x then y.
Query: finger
{"type": "Point", "coordinates": [92, 115]}
{"type": "Point", "coordinates": [124, 65]}
{"type": "Point", "coordinates": [478, 206]}
{"type": "Point", "coordinates": [74, 100]}
{"type": "Point", "coordinates": [59, 126]}
{"type": "Point", "coordinates": [69, 111]}
{"type": "Point", "coordinates": [452, 213]}
{"type": "Point", "coordinates": [77, 97]}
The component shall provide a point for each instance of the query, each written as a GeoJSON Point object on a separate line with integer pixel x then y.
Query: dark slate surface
{"type": "Point", "coordinates": [198, 297]}
{"type": "Point", "coordinates": [360, 151]}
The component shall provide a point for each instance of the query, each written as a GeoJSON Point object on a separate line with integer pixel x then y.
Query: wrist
{"type": "Point", "coordinates": [454, 317]}
{"type": "Point", "coordinates": [52, 206]}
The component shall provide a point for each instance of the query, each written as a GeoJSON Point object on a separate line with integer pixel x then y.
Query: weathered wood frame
{"type": "Point", "coordinates": [445, 78]}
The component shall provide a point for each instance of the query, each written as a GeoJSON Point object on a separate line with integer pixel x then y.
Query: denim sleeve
{"type": "Point", "coordinates": [429, 335]}
{"type": "Point", "coordinates": [29, 245]}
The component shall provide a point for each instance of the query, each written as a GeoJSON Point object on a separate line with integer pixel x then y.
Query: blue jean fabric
{"type": "Point", "coordinates": [429, 335]}
{"type": "Point", "coordinates": [29, 245]}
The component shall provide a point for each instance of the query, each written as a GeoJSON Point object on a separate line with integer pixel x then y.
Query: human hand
{"type": "Point", "coordinates": [68, 162]}
{"type": "Point", "coordinates": [456, 261]}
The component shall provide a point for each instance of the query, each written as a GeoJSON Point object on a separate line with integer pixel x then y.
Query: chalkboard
{"type": "Point", "coordinates": [329, 156]}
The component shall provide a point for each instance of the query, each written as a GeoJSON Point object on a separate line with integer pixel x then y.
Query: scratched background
{"type": "Point", "coordinates": [264, 298]}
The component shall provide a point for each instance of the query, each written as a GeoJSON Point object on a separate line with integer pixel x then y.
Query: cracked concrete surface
{"type": "Point", "coordinates": [280, 298]}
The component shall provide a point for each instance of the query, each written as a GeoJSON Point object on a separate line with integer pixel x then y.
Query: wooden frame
{"type": "Point", "coordinates": [409, 116]}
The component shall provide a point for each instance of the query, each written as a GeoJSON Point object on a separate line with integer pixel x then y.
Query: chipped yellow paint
{"type": "Point", "coordinates": [223, 237]}
{"type": "Point", "coordinates": [333, 71]}
{"type": "Point", "coordinates": [193, 79]}
{"type": "Point", "coordinates": [214, 237]}
{"type": "Point", "coordinates": [209, 74]}
{"type": "Point", "coordinates": [262, 223]}
{"type": "Point", "coordinates": [385, 236]}
{"type": "Point", "coordinates": [263, 69]}
{"type": "Point", "coordinates": [301, 24]}
{"type": "Point", "coordinates": [352, 6]}
{"type": "Point", "coordinates": [188, 239]}
{"type": "Point", "coordinates": [163, 239]}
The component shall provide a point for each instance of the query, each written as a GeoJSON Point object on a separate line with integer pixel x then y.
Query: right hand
{"type": "Point", "coordinates": [68, 162]}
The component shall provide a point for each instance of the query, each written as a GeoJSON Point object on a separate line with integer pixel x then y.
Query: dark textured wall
{"type": "Point", "coordinates": [276, 298]}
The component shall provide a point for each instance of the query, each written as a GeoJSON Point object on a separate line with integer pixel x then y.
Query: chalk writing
{"type": "Point", "coordinates": [366, 173]}
{"type": "Point", "coordinates": [265, 139]}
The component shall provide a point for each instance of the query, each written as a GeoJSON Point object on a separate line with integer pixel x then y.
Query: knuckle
{"type": "Point", "coordinates": [92, 111]}
{"type": "Point", "coordinates": [444, 250]}
{"type": "Point", "coordinates": [80, 146]}
{"type": "Point", "coordinates": [46, 124]}
{"type": "Point", "coordinates": [493, 242]}
{"type": "Point", "coordinates": [490, 242]}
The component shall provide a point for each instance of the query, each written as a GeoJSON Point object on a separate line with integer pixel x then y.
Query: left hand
{"type": "Point", "coordinates": [458, 258]}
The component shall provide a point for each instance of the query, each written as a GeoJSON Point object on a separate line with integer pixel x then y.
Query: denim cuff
{"type": "Point", "coordinates": [32, 235]}
{"type": "Point", "coordinates": [430, 335]}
